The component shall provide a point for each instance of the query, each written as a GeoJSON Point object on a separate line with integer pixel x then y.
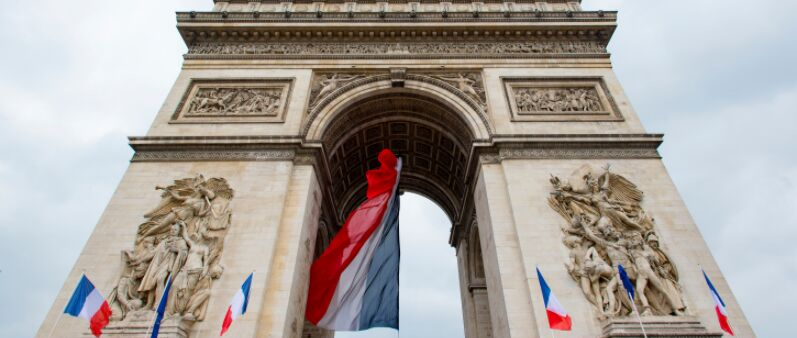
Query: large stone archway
{"type": "Point", "coordinates": [504, 112]}
{"type": "Point", "coordinates": [436, 144]}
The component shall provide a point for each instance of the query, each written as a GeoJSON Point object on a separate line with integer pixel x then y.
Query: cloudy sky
{"type": "Point", "coordinates": [717, 77]}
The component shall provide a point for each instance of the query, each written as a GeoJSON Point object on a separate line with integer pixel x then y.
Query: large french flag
{"type": "Point", "coordinates": [354, 284]}
{"type": "Point", "coordinates": [88, 303]}
{"type": "Point", "coordinates": [558, 319]}
{"type": "Point", "coordinates": [719, 306]}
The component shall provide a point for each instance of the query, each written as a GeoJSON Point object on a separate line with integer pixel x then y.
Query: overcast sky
{"type": "Point", "coordinates": [717, 77]}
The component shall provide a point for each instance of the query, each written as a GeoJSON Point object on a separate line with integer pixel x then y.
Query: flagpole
{"type": "Point", "coordinates": [57, 319]}
{"type": "Point", "coordinates": [633, 304]}
{"type": "Point", "coordinates": [149, 330]}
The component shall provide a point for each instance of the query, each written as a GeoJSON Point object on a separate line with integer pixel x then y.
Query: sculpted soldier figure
{"type": "Point", "coordinates": [184, 237]}
{"type": "Point", "coordinates": [605, 212]}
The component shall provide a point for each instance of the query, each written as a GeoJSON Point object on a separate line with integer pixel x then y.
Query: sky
{"type": "Point", "coordinates": [716, 77]}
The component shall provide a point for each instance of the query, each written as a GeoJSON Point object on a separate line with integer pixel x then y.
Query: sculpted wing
{"type": "Point", "coordinates": [622, 189]}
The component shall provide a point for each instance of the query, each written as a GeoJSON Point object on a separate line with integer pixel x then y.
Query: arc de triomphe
{"type": "Point", "coordinates": [507, 114]}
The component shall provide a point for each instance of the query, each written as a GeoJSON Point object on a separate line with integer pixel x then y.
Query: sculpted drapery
{"type": "Point", "coordinates": [607, 227]}
{"type": "Point", "coordinates": [183, 237]}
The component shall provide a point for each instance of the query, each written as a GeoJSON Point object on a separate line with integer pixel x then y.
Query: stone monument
{"type": "Point", "coordinates": [507, 114]}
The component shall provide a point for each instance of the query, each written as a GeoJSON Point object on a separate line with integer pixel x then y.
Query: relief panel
{"type": "Point", "coordinates": [234, 101]}
{"type": "Point", "coordinates": [560, 99]}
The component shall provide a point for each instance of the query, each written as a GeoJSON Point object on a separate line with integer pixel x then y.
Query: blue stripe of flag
{"type": "Point", "coordinates": [546, 291]}
{"type": "Point", "coordinates": [711, 286]}
{"type": "Point", "coordinates": [82, 291]}
{"type": "Point", "coordinates": [381, 299]}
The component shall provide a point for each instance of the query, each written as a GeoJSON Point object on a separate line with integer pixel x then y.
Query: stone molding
{"type": "Point", "coordinates": [288, 148]}
{"type": "Point", "coordinates": [206, 155]}
{"type": "Point", "coordinates": [186, 149]}
{"type": "Point", "coordinates": [288, 14]}
{"type": "Point", "coordinates": [581, 151]}
{"type": "Point", "coordinates": [659, 327]}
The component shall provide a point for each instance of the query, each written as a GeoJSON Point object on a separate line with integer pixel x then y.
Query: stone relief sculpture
{"type": "Point", "coordinates": [534, 100]}
{"type": "Point", "coordinates": [326, 49]}
{"type": "Point", "coordinates": [607, 226]}
{"type": "Point", "coordinates": [470, 84]}
{"type": "Point", "coordinates": [235, 101]}
{"type": "Point", "coordinates": [182, 238]}
{"type": "Point", "coordinates": [324, 84]}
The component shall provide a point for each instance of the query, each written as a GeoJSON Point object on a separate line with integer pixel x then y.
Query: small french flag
{"type": "Point", "coordinates": [558, 319]}
{"type": "Point", "coordinates": [719, 306]}
{"type": "Point", "coordinates": [88, 303]}
{"type": "Point", "coordinates": [237, 305]}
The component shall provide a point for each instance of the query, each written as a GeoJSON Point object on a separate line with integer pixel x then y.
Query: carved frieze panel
{"type": "Point", "coordinates": [182, 238]}
{"type": "Point", "coordinates": [607, 226]}
{"type": "Point", "coordinates": [405, 49]}
{"type": "Point", "coordinates": [230, 101]}
{"type": "Point", "coordinates": [560, 99]}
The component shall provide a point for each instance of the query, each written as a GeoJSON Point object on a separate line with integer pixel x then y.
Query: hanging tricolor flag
{"type": "Point", "coordinates": [719, 306]}
{"type": "Point", "coordinates": [88, 303]}
{"type": "Point", "coordinates": [629, 288]}
{"type": "Point", "coordinates": [161, 308]}
{"type": "Point", "coordinates": [237, 304]}
{"type": "Point", "coordinates": [354, 284]}
{"type": "Point", "coordinates": [558, 319]}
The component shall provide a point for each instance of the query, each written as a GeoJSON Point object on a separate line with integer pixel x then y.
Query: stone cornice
{"type": "Point", "coordinates": [499, 148]}
{"type": "Point", "coordinates": [320, 17]}
{"type": "Point", "coordinates": [251, 27]}
{"type": "Point", "coordinates": [389, 1]}
{"type": "Point", "coordinates": [188, 148]}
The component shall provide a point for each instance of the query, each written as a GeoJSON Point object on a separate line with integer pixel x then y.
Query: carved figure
{"type": "Point", "coordinates": [235, 101]}
{"type": "Point", "coordinates": [607, 227]}
{"type": "Point", "coordinates": [183, 238]}
{"type": "Point", "coordinates": [557, 100]}
{"type": "Point", "coordinates": [488, 49]}
{"type": "Point", "coordinates": [329, 83]}
{"type": "Point", "coordinates": [467, 85]}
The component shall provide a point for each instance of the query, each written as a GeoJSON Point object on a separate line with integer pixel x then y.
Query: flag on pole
{"type": "Point", "coordinates": [629, 288]}
{"type": "Point", "coordinates": [161, 308]}
{"type": "Point", "coordinates": [354, 284]}
{"type": "Point", "coordinates": [87, 302]}
{"type": "Point", "coordinates": [558, 319]}
{"type": "Point", "coordinates": [237, 305]}
{"type": "Point", "coordinates": [719, 306]}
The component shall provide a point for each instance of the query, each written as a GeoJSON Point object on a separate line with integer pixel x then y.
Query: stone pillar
{"type": "Point", "coordinates": [507, 288]}
{"type": "Point", "coordinates": [282, 312]}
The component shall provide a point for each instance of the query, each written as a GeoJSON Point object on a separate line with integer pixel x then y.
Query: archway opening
{"type": "Point", "coordinates": [432, 140]}
{"type": "Point", "coordinates": [429, 282]}
{"type": "Point", "coordinates": [435, 142]}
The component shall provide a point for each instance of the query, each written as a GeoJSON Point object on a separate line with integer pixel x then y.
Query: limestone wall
{"type": "Point", "coordinates": [529, 234]}
{"type": "Point", "coordinates": [273, 203]}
